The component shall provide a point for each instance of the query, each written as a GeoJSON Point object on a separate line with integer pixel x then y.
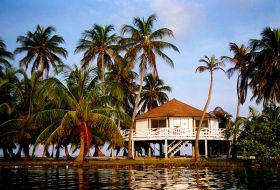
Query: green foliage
{"type": "Point", "coordinates": [259, 135]}
{"type": "Point", "coordinates": [42, 49]}
{"type": "Point", "coordinates": [265, 77]}
{"type": "Point", "coordinates": [154, 93]}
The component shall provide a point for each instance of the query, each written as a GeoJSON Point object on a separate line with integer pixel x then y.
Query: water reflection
{"type": "Point", "coordinates": [150, 178]}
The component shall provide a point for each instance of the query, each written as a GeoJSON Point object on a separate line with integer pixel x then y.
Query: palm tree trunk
{"type": "Point", "coordinates": [232, 150]}
{"type": "Point", "coordinates": [26, 151]}
{"type": "Point", "coordinates": [103, 74]}
{"type": "Point", "coordinates": [67, 152]}
{"type": "Point", "coordinates": [98, 152]}
{"type": "Point", "coordinates": [80, 157]}
{"type": "Point", "coordinates": [130, 153]}
{"type": "Point", "coordinates": [41, 66]}
{"type": "Point", "coordinates": [197, 156]}
{"type": "Point", "coordinates": [239, 104]}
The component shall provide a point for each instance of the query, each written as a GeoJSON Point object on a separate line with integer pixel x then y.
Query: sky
{"type": "Point", "coordinates": [201, 28]}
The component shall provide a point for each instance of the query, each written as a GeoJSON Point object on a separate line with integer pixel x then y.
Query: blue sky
{"type": "Point", "coordinates": [201, 27]}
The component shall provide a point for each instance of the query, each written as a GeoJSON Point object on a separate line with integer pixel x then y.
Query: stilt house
{"type": "Point", "coordinates": [173, 125]}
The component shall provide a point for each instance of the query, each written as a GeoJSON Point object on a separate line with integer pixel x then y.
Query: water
{"type": "Point", "coordinates": [171, 178]}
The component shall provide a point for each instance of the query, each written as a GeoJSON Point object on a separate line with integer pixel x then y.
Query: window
{"type": "Point", "coordinates": [204, 123]}
{"type": "Point", "coordinates": [158, 123]}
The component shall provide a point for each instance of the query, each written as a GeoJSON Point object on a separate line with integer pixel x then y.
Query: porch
{"type": "Point", "coordinates": [175, 134]}
{"type": "Point", "coordinates": [172, 140]}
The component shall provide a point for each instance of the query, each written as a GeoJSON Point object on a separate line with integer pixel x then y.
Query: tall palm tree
{"type": "Point", "coordinates": [84, 113]}
{"type": "Point", "coordinates": [211, 65]}
{"type": "Point", "coordinates": [154, 93]}
{"type": "Point", "coordinates": [144, 44]}
{"type": "Point", "coordinates": [98, 43]}
{"type": "Point", "coordinates": [265, 81]}
{"type": "Point", "coordinates": [4, 57]}
{"type": "Point", "coordinates": [122, 77]}
{"type": "Point", "coordinates": [241, 61]}
{"type": "Point", "coordinates": [42, 49]}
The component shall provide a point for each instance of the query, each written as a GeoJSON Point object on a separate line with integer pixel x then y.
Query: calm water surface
{"type": "Point", "coordinates": [171, 178]}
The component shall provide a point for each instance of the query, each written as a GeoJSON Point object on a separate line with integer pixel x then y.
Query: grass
{"type": "Point", "coordinates": [125, 163]}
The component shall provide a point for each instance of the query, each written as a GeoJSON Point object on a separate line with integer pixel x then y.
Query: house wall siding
{"type": "Point", "coordinates": [183, 122]}
{"type": "Point", "coordinates": [142, 125]}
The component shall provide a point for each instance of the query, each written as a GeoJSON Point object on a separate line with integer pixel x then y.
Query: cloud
{"type": "Point", "coordinates": [178, 15]}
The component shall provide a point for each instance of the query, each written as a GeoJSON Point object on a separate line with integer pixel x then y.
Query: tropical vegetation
{"type": "Point", "coordinates": [86, 106]}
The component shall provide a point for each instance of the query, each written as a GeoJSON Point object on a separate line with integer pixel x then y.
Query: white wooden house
{"type": "Point", "coordinates": [173, 125]}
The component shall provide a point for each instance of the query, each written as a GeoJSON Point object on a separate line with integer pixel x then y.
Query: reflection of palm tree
{"type": "Point", "coordinates": [241, 61]}
{"type": "Point", "coordinates": [211, 64]}
{"type": "Point", "coordinates": [145, 44]}
{"type": "Point", "coordinates": [42, 47]}
{"type": "Point", "coordinates": [154, 93]}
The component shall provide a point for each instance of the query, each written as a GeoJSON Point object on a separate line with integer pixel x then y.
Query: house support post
{"type": "Point", "coordinates": [206, 148]}
{"type": "Point", "coordinates": [193, 150]}
{"type": "Point", "coordinates": [132, 148]}
{"type": "Point", "coordinates": [112, 149]}
{"type": "Point", "coordinates": [165, 149]}
{"type": "Point", "coordinates": [149, 152]}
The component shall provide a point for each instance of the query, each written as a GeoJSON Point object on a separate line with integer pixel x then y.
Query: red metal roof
{"type": "Point", "coordinates": [173, 108]}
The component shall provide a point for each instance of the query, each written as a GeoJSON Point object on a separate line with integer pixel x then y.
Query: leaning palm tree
{"type": "Point", "coordinates": [83, 114]}
{"type": "Point", "coordinates": [144, 44]}
{"type": "Point", "coordinates": [211, 64]}
{"type": "Point", "coordinates": [266, 75]}
{"type": "Point", "coordinates": [4, 57]}
{"type": "Point", "coordinates": [241, 61]}
{"type": "Point", "coordinates": [98, 43]}
{"type": "Point", "coordinates": [154, 93]}
{"type": "Point", "coordinates": [42, 49]}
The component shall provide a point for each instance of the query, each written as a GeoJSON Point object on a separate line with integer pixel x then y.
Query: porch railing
{"type": "Point", "coordinates": [183, 133]}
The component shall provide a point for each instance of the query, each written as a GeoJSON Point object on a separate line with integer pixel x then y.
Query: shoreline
{"type": "Point", "coordinates": [138, 163]}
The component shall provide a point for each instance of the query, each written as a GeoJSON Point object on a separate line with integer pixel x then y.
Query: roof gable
{"type": "Point", "coordinates": [173, 108]}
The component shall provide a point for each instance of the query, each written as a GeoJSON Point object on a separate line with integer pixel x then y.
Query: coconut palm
{"type": "Point", "coordinates": [153, 93]}
{"type": "Point", "coordinates": [144, 44]}
{"type": "Point", "coordinates": [241, 61]}
{"type": "Point", "coordinates": [211, 65]}
{"type": "Point", "coordinates": [122, 77]}
{"type": "Point", "coordinates": [265, 81]}
{"type": "Point", "coordinates": [42, 49]}
{"type": "Point", "coordinates": [98, 43]}
{"type": "Point", "coordinates": [26, 103]}
{"type": "Point", "coordinates": [83, 115]}
{"type": "Point", "coordinates": [4, 57]}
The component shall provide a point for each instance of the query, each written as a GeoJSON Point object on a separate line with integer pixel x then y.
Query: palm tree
{"type": "Point", "coordinates": [154, 93]}
{"type": "Point", "coordinates": [211, 64]}
{"type": "Point", "coordinates": [26, 102]}
{"type": "Point", "coordinates": [84, 115]}
{"type": "Point", "coordinates": [144, 43]}
{"type": "Point", "coordinates": [241, 61]}
{"type": "Point", "coordinates": [42, 49]}
{"type": "Point", "coordinates": [4, 56]}
{"type": "Point", "coordinates": [122, 78]}
{"type": "Point", "coordinates": [266, 74]}
{"type": "Point", "coordinates": [98, 42]}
